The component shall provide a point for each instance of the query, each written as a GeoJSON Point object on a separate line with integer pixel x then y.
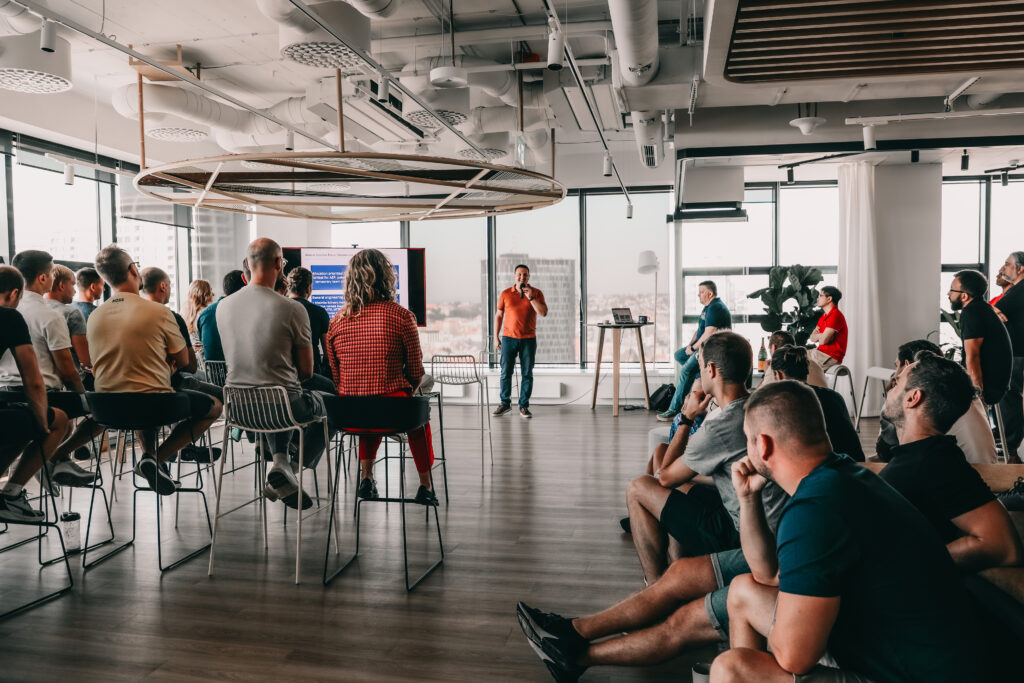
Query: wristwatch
{"type": "Point", "coordinates": [683, 420]}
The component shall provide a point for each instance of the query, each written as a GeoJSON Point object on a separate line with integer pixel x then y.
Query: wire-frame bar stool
{"type": "Point", "coordinates": [463, 370]}
{"type": "Point", "coordinates": [267, 410]}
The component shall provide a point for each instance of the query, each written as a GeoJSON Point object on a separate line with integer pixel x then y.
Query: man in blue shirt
{"type": "Point", "coordinates": [715, 316]}
{"type": "Point", "coordinates": [206, 324]}
{"type": "Point", "coordinates": [857, 570]}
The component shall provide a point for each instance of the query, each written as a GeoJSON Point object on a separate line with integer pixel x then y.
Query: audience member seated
{"type": "Point", "coordinates": [831, 333]}
{"type": "Point", "coordinates": [930, 470]}
{"type": "Point", "coordinates": [300, 288]}
{"type": "Point", "coordinates": [52, 343]}
{"type": "Point", "coordinates": [972, 430]}
{"type": "Point", "coordinates": [156, 287]}
{"type": "Point", "coordinates": [1010, 309]}
{"type": "Point", "coordinates": [373, 348]}
{"type": "Point", "coordinates": [59, 298]}
{"type": "Point", "coordinates": [25, 428]}
{"type": "Point", "coordinates": [266, 341]}
{"type": "Point", "coordinates": [791, 362]}
{"type": "Point", "coordinates": [206, 323]}
{"type": "Point", "coordinates": [200, 295]}
{"type": "Point", "coordinates": [669, 522]}
{"type": "Point", "coordinates": [134, 343]}
{"type": "Point", "coordinates": [988, 356]}
{"type": "Point", "coordinates": [90, 290]}
{"type": "Point", "coordinates": [856, 572]}
{"type": "Point", "coordinates": [713, 317]}
{"type": "Point", "coordinates": [815, 375]}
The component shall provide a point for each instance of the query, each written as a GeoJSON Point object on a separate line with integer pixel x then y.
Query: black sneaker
{"type": "Point", "coordinates": [555, 641]}
{"type": "Point", "coordinates": [17, 509]}
{"type": "Point", "coordinates": [502, 409]}
{"type": "Point", "coordinates": [425, 496]}
{"type": "Point", "coordinates": [193, 453]}
{"type": "Point", "coordinates": [624, 523]}
{"type": "Point", "coordinates": [525, 413]}
{"type": "Point", "coordinates": [368, 490]}
{"type": "Point", "coordinates": [1013, 499]}
{"type": "Point", "coordinates": [158, 478]}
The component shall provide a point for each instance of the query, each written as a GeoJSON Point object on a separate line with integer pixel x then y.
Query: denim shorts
{"type": "Point", "coordinates": [728, 565]}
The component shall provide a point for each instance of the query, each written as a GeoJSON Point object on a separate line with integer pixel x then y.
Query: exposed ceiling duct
{"type": "Point", "coordinates": [304, 42]}
{"type": "Point", "coordinates": [375, 8]}
{"type": "Point", "coordinates": [16, 19]}
{"type": "Point", "coordinates": [635, 26]}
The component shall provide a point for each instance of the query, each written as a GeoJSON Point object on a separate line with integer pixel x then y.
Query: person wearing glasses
{"type": "Point", "coordinates": [988, 357]}
{"type": "Point", "coordinates": [1010, 309]}
{"type": "Point", "coordinates": [831, 332]}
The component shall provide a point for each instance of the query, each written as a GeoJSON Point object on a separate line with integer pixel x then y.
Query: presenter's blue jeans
{"type": "Point", "coordinates": [689, 372]}
{"type": "Point", "coordinates": [526, 350]}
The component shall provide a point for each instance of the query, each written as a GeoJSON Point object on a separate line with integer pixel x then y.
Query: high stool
{"type": "Point", "coordinates": [41, 529]}
{"type": "Point", "coordinates": [268, 410]}
{"type": "Point", "coordinates": [833, 374]}
{"type": "Point", "coordinates": [127, 412]}
{"type": "Point", "coordinates": [389, 417]}
{"type": "Point", "coordinates": [462, 370]}
{"type": "Point", "coordinates": [879, 374]}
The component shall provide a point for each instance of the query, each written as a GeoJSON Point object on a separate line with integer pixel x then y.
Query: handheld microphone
{"type": "Point", "coordinates": [521, 295]}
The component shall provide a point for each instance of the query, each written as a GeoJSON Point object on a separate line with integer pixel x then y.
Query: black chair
{"type": "Point", "coordinates": [41, 531]}
{"type": "Point", "coordinates": [390, 417]}
{"type": "Point", "coordinates": [126, 412]}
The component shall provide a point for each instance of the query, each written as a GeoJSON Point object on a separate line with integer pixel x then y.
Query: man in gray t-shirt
{"type": "Point", "coordinates": [689, 507]}
{"type": "Point", "coordinates": [267, 342]}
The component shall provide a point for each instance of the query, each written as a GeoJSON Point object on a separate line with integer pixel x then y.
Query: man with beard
{"type": "Point", "coordinates": [855, 569]}
{"type": "Point", "coordinates": [987, 354]}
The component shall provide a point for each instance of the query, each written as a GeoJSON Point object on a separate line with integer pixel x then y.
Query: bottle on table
{"type": "Point", "coordinates": [762, 357]}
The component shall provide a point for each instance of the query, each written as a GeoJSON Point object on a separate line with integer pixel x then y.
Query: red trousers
{"type": "Point", "coordinates": [419, 443]}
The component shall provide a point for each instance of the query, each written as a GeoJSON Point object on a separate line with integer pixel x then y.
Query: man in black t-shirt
{"type": "Point", "coordinates": [855, 571]}
{"type": "Point", "coordinates": [792, 362]}
{"type": "Point", "coordinates": [930, 470]}
{"type": "Point", "coordinates": [300, 288]}
{"type": "Point", "coordinates": [988, 357]}
{"type": "Point", "coordinates": [1010, 309]}
{"type": "Point", "coordinates": [26, 424]}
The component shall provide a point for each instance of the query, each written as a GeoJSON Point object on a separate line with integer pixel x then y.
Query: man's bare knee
{"type": "Point", "coordinates": [742, 590]}
{"type": "Point", "coordinates": [733, 665]}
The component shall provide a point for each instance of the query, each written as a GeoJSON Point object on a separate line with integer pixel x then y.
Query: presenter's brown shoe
{"type": "Point", "coordinates": [525, 413]}
{"type": "Point", "coordinates": [502, 409]}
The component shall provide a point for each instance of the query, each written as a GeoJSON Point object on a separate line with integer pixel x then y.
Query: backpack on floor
{"type": "Point", "coordinates": [662, 397]}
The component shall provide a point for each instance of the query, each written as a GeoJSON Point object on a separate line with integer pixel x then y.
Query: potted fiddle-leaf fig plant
{"type": "Point", "coordinates": [789, 300]}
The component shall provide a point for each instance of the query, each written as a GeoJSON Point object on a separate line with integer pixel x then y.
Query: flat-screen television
{"type": "Point", "coordinates": [328, 265]}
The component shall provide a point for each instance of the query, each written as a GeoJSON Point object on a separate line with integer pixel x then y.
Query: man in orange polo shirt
{"type": "Point", "coordinates": [515, 334]}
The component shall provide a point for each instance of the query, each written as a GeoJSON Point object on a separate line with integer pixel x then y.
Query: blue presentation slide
{"type": "Point", "coordinates": [332, 303]}
{"type": "Point", "coordinates": [397, 279]}
{"type": "Point", "coordinates": [329, 277]}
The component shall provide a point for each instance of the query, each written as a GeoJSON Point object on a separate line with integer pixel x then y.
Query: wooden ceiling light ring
{"type": "Point", "coordinates": [395, 186]}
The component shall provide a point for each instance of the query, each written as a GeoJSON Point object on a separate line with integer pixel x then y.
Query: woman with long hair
{"type": "Point", "coordinates": [200, 295]}
{"type": "Point", "coordinates": [373, 348]}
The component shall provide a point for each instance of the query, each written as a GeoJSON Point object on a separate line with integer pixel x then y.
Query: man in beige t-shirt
{"type": "Point", "coordinates": [134, 344]}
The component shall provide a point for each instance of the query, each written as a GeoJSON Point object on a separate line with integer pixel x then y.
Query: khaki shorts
{"type": "Point", "coordinates": [823, 359]}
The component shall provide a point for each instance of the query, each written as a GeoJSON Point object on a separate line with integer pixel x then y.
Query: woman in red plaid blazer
{"type": "Point", "coordinates": [373, 348]}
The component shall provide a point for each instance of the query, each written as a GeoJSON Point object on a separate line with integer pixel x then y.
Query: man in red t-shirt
{"type": "Point", "coordinates": [515, 334]}
{"type": "Point", "coordinates": [831, 332]}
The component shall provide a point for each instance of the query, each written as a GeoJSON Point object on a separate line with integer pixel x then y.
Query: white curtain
{"type": "Point", "coordinates": [858, 275]}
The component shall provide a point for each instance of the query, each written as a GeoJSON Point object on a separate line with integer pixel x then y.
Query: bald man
{"type": "Point", "coordinates": [857, 570]}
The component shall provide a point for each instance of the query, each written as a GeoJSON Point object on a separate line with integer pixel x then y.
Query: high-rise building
{"type": "Point", "coordinates": [558, 332]}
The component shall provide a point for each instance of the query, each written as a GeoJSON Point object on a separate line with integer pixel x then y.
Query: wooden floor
{"type": "Point", "coordinates": [540, 526]}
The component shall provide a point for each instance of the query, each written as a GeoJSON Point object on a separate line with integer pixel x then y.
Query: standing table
{"type": "Point", "coordinates": [617, 329]}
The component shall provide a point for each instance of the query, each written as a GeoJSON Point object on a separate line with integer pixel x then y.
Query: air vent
{"type": "Point", "coordinates": [650, 157]}
{"type": "Point", "coordinates": [322, 55]}
{"type": "Point", "coordinates": [421, 119]}
{"type": "Point", "coordinates": [27, 69]}
{"type": "Point", "coordinates": [177, 134]}
{"type": "Point", "coordinates": [490, 153]}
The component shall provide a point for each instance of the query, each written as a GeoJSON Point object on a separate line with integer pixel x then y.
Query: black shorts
{"type": "Point", "coordinates": [18, 426]}
{"type": "Point", "coordinates": [71, 403]}
{"type": "Point", "coordinates": [699, 521]}
{"type": "Point", "coordinates": [200, 404]}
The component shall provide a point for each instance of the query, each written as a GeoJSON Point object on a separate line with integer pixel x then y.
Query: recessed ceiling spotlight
{"type": "Point", "coordinates": [48, 36]}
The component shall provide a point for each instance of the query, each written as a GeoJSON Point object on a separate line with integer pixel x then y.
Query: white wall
{"type": "Point", "coordinates": [908, 218]}
{"type": "Point", "coordinates": [291, 232]}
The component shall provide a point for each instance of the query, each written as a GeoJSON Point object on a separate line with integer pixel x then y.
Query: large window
{"type": "Point", "coordinates": [548, 241]}
{"type": "Point", "coordinates": [614, 244]}
{"type": "Point", "coordinates": [57, 218]}
{"type": "Point", "coordinates": [809, 225]}
{"type": "Point", "coordinates": [456, 281]}
{"type": "Point", "coordinates": [156, 245]}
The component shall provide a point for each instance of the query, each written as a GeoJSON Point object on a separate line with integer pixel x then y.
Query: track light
{"type": "Point", "coordinates": [289, 140]}
{"type": "Point", "coordinates": [629, 211]}
{"type": "Point", "coordinates": [915, 156]}
{"type": "Point", "coordinates": [48, 36]}
{"type": "Point", "coordinates": [607, 164]}
{"type": "Point", "coordinates": [384, 89]}
{"type": "Point", "coordinates": [69, 174]}
{"type": "Point", "coordinates": [965, 161]}
{"type": "Point", "coordinates": [869, 137]}
{"type": "Point", "coordinates": [790, 175]}
{"type": "Point", "coordinates": [556, 49]}
{"type": "Point", "coordinates": [1004, 178]}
